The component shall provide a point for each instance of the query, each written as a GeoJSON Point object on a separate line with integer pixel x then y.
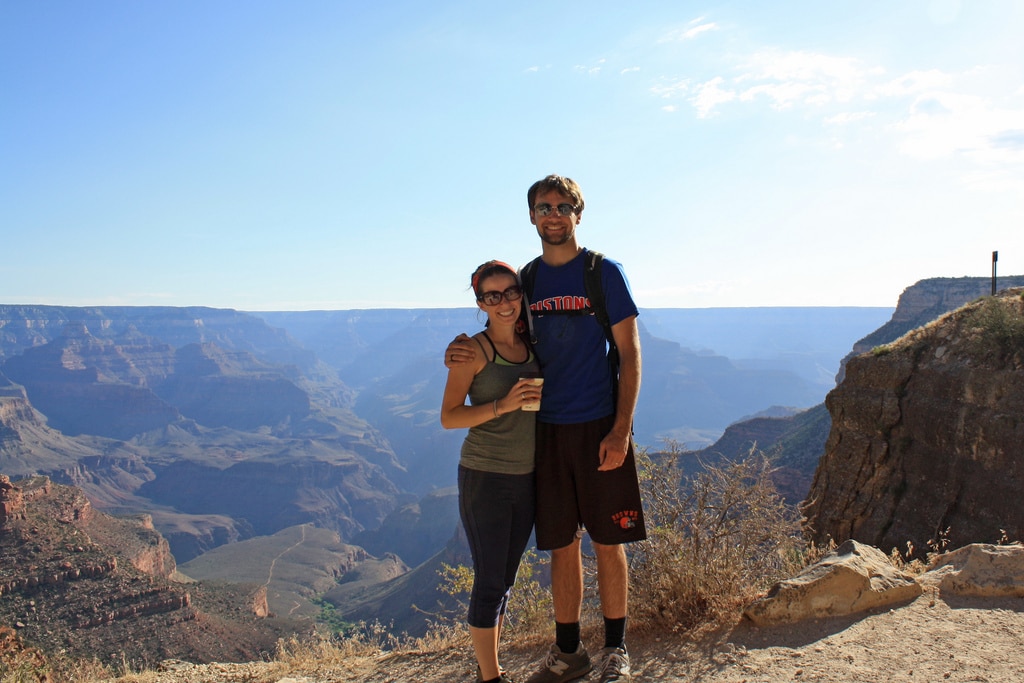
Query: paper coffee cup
{"type": "Point", "coordinates": [537, 381]}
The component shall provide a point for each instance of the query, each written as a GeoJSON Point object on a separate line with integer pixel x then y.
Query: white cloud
{"type": "Point", "coordinates": [782, 95]}
{"type": "Point", "coordinates": [693, 29]}
{"type": "Point", "coordinates": [590, 70]}
{"type": "Point", "coordinates": [697, 30]}
{"type": "Point", "coordinates": [710, 95]}
{"type": "Point", "coordinates": [927, 113]}
{"type": "Point", "coordinates": [942, 124]}
{"type": "Point", "coordinates": [788, 78]}
{"type": "Point", "coordinates": [671, 89]}
{"type": "Point", "coordinates": [630, 70]}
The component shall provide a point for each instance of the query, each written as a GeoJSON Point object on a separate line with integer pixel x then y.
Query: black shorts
{"type": "Point", "coordinates": [572, 494]}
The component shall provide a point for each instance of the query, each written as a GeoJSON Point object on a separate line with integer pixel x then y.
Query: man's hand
{"type": "Point", "coordinates": [462, 350]}
{"type": "Point", "coordinates": [613, 451]}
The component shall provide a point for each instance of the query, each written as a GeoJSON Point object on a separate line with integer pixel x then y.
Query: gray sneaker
{"type": "Point", "coordinates": [613, 664]}
{"type": "Point", "coordinates": [560, 667]}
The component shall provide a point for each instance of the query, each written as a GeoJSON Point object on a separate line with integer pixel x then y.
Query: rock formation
{"type": "Point", "coordinates": [133, 384]}
{"type": "Point", "coordinates": [979, 570]}
{"type": "Point", "coordinates": [86, 385]}
{"type": "Point", "coordinates": [12, 501]}
{"type": "Point", "coordinates": [213, 442]}
{"type": "Point", "coordinates": [927, 439]}
{"type": "Point", "coordinates": [856, 578]}
{"type": "Point", "coordinates": [76, 580]}
{"type": "Point", "coordinates": [925, 301]}
{"type": "Point", "coordinates": [853, 578]}
{"type": "Point", "coordinates": [797, 442]}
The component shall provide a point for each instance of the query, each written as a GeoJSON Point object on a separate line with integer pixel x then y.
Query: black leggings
{"type": "Point", "coordinates": [497, 513]}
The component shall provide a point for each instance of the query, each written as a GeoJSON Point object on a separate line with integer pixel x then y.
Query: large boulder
{"type": "Point", "coordinates": [979, 570]}
{"type": "Point", "coordinates": [853, 578]}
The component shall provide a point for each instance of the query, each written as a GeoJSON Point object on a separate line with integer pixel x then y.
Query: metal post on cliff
{"type": "Point", "coordinates": [995, 258]}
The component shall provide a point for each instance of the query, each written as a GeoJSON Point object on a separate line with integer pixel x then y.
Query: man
{"type": "Point", "coordinates": [585, 467]}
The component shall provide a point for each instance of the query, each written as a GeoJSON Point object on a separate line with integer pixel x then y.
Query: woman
{"type": "Point", "coordinates": [496, 489]}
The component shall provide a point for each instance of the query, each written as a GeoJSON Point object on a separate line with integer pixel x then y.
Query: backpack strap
{"type": "Point", "coordinates": [527, 280]}
{"type": "Point", "coordinates": [595, 292]}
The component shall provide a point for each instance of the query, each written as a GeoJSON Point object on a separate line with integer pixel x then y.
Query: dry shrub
{"type": "Point", "coordinates": [21, 664]}
{"type": "Point", "coordinates": [364, 640]}
{"type": "Point", "coordinates": [1001, 322]}
{"type": "Point", "coordinates": [529, 606]}
{"type": "Point", "coordinates": [715, 539]}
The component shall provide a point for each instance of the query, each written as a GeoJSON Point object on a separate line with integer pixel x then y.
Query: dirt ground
{"type": "Point", "coordinates": [929, 639]}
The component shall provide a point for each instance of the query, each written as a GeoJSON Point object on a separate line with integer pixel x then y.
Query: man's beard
{"type": "Point", "coordinates": [556, 240]}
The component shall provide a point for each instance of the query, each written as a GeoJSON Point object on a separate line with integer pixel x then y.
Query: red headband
{"type": "Point", "coordinates": [490, 264]}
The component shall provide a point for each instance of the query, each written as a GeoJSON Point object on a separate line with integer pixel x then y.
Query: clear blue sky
{"type": "Point", "coordinates": [323, 155]}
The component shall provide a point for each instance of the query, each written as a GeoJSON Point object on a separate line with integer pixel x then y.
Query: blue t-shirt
{"type": "Point", "coordinates": [572, 349]}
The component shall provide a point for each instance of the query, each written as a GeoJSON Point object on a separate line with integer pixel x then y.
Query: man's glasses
{"type": "Point", "coordinates": [562, 209]}
{"type": "Point", "coordinates": [513, 293]}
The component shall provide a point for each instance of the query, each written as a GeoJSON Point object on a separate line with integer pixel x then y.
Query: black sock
{"type": "Point", "coordinates": [493, 680]}
{"type": "Point", "coordinates": [615, 632]}
{"type": "Point", "coordinates": [567, 637]}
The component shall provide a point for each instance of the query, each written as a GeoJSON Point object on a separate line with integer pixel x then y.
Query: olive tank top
{"type": "Point", "coordinates": [503, 444]}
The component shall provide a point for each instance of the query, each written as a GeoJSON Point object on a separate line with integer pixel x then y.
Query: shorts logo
{"type": "Point", "coordinates": [626, 519]}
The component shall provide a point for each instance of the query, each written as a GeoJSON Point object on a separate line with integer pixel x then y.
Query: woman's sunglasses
{"type": "Point", "coordinates": [513, 293]}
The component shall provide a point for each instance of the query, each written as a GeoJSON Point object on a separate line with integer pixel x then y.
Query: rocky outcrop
{"type": "Point", "coordinates": [46, 510]}
{"type": "Point", "coordinates": [415, 531]}
{"type": "Point", "coordinates": [797, 443]}
{"type": "Point", "coordinates": [190, 536]}
{"type": "Point", "coordinates": [218, 389]}
{"type": "Point", "coordinates": [259, 605]}
{"type": "Point", "coordinates": [86, 385]}
{"type": "Point", "coordinates": [25, 327]}
{"type": "Point", "coordinates": [853, 578]}
{"type": "Point", "coordinates": [925, 301]}
{"type": "Point", "coordinates": [927, 439]}
{"type": "Point", "coordinates": [12, 501]}
{"type": "Point", "coordinates": [78, 581]}
{"type": "Point", "coordinates": [979, 570]}
{"type": "Point", "coordinates": [302, 484]}
{"type": "Point", "coordinates": [857, 578]}
{"type": "Point", "coordinates": [132, 384]}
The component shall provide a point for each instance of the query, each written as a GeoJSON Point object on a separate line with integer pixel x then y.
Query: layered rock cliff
{"type": "Point", "coordinates": [798, 442]}
{"type": "Point", "coordinates": [925, 301]}
{"type": "Point", "coordinates": [927, 438]}
{"type": "Point", "coordinates": [122, 387]}
{"type": "Point", "coordinates": [214, 443]}
{"type": "Point", "coordinates": [78, 581]}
